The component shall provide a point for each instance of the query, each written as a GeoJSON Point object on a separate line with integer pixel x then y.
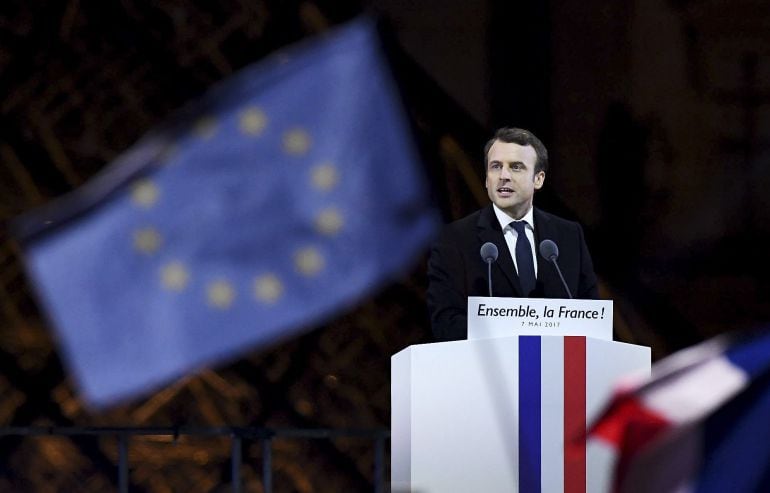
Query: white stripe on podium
{"type": "Point", "coordinates": [552, 409]}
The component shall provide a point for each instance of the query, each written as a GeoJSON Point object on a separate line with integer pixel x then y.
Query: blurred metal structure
{"type": "Point", "coordinates": [265, 436]}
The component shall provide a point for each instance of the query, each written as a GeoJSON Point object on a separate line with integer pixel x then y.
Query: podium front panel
{"type": "Point", "coordinates": [492, 414]}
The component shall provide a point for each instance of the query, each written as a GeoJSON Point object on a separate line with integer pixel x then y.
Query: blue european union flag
{"type": "Point", "coordinates": [288, 193]}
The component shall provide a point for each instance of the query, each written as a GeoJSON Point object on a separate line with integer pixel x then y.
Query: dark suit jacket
{"type": "Point", "coordinates": [456, 269]}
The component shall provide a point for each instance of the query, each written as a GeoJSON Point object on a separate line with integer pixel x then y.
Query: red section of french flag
{"type": "Point", "coordinates": [574, 413]}
{"type": "Point", "coordinates": [629, 427]}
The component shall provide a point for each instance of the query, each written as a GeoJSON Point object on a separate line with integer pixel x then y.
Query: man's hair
{"type": "Point", "coordinates": [522, 137]}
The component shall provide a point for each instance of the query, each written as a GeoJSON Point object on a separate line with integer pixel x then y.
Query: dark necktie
{"type": "Point", "coordinates": [524, 262]}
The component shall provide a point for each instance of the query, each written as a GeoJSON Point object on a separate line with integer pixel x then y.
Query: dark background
{"type": "Point", "coordinates": [655, 113]}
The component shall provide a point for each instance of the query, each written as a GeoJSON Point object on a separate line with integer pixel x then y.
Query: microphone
{"type": "Point", "coordinates": [489, 254]}
{"type": "Point", "coordinates": [550, 252]}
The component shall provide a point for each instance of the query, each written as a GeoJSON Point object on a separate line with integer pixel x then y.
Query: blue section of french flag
{"type": "Point", "coordinates": [530, 383]}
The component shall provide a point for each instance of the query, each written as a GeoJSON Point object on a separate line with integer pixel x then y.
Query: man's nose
{"type": "Point", "coordinates": [505, 173]}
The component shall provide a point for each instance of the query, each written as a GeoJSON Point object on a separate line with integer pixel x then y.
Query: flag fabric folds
{"type": "Point", "coordinates": [289, 192]}
{"type": "Point", "coordinates": [701, 423]}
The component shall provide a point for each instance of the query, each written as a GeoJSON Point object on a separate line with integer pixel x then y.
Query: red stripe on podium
{"type": "Point", "coordinates": [574, 413]}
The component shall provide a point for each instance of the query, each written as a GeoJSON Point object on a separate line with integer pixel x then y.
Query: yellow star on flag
{"type": "Point", "coordinates": [220, 294]}
{"type": "Point", "coordinates": [296, 142]}
{"type": "Point", "coordinates": [252, 121]}
{"type": "Point", "coordinates": [324, 176]}
{"type": "Point", "coordinates": [308, 261]}
{"type": "Point", "coordinates": [145, 193]}
{"type": "Point", "coordinates": [174, 276]}
{"type": "Point", "coordinates": [329, 221]}
{"type": "Point", "coordinates": [268, 288]}
{"type": "Point", "coordinates": [147, 240]}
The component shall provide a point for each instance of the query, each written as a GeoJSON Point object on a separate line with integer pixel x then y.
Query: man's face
{"type": "Point", "coordinates": [511, 178]}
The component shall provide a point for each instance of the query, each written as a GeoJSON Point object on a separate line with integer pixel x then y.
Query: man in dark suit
{"type": "Point", "coordinates": [516, 162]}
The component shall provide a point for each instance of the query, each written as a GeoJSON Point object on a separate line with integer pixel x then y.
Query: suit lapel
{"type": "Point", "coordinates": [489, 230]}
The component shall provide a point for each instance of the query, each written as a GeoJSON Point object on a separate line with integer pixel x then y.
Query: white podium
{"type": "Point", "coordinates": [499, 413]}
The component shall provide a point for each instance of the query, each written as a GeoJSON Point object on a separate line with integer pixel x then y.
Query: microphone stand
{"type": "Point", "coordinates": [558, 270]}
{"type": "Point", "coordinates": [489, 277]}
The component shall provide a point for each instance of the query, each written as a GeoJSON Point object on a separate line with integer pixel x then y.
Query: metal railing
{"type": "Point", "coordinates": [236, 434]}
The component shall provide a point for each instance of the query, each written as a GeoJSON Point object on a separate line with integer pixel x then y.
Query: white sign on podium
{"type": "Point", "coordinates": [504, 317]}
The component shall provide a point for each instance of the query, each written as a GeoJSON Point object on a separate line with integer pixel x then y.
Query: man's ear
{"type": "Point", "coordinates": [539, 179]}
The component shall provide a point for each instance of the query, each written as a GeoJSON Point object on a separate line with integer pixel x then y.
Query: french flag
{"type": "Point", "coordinates": [700, 423]}
{"type": "Point", "coordinates": [551, 411]}
{"type": "Point", "coordinates": [564, 383]}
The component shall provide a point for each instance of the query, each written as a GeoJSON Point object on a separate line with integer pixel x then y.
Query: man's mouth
{"type": "Point", "coordinates": [504, 191]}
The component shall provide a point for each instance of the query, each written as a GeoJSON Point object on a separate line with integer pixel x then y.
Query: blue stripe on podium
{"type": "Point", "coordinates": [529, 414]}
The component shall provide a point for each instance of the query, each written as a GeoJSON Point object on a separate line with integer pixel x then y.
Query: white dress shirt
{"type": "Point", "coordinates": [511, 235]}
